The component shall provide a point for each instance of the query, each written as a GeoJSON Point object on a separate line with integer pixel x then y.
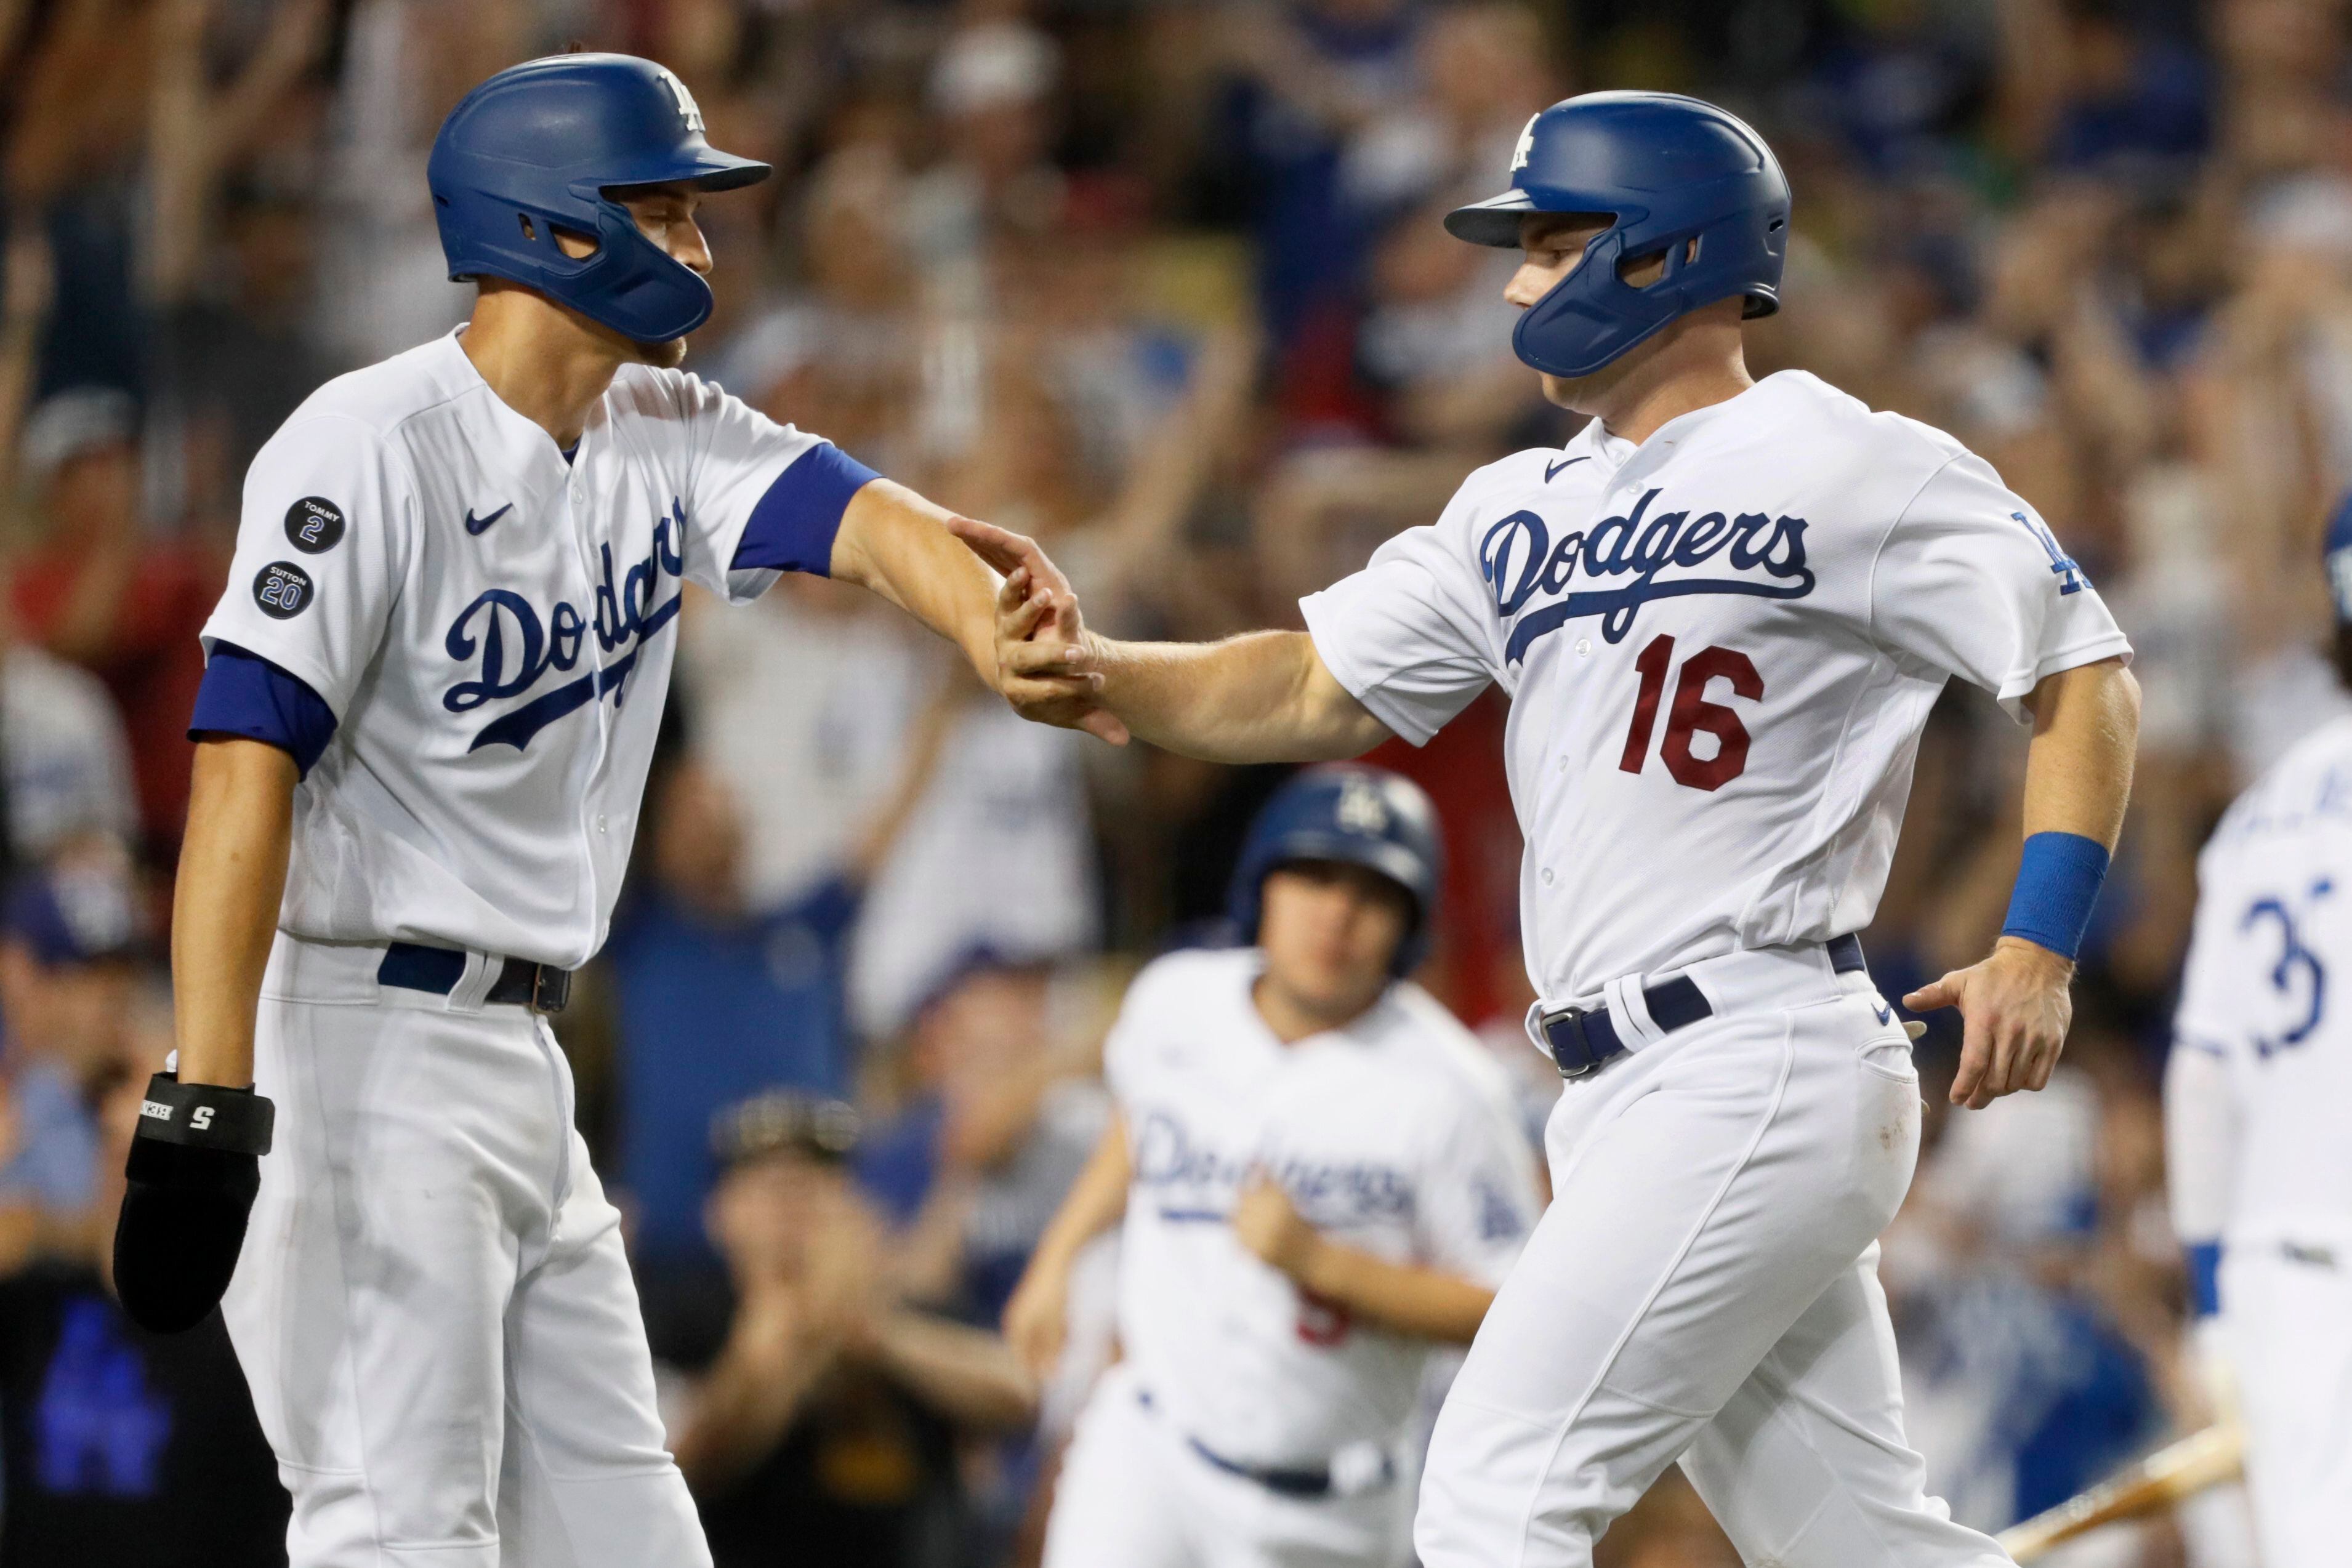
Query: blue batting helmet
{"type": "Point", "coordinates": [537, 148]}
{"type": "Point", "coordinates": [1362, 816]}
{"type": "Point", "coordinates": [1681, 180]}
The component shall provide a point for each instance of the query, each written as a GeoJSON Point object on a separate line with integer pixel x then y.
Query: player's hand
{"type": "Point", "coordinates": [1037, 1318]}
{"type": "Point", "coordinates": [1046, 662]}
{"type": "Point", "coordinates": [195, 1169]}
{"type": "Point", "coordinates": [2014, 1010]}
{"type": "Point", "coordinates": [1269, 1225]}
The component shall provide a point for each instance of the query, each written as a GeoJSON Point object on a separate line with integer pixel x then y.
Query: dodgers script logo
{"type": "Point", "coordinates": [1333, 1195]}
{"type": "Point", "coordinates": [1193, 1179]}
{"type": "Point", "coordinates": [500, 625]}
{"type": "Point", "coordinates": [1519, 560]}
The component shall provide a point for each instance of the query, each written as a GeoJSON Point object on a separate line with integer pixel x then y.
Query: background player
{"type": "Point", "coordinates": [1722, 613]}
{"type": "Point", "coordinates": [2260, 1144]}
{"type": "Point", "coordinates": [1320, 1178]}
{"type": "Point", "coordinates": [432, 698]}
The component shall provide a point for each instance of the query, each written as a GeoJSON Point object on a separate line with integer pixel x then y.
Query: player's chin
{"type": "Point", "coordinates": [663, 356]}
{"type": "Point", "coordinates": [1562, 392]}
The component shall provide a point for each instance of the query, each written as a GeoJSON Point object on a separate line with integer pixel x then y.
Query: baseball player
{"type": "Point", "coordinates": [2260, 1154]}
{"type": "Point", "coordinates": [1320, 1179]}
{"type": "Point", "coordinates": [1722, 613]}
{"type": "Point", "coordinates": [431, 698]}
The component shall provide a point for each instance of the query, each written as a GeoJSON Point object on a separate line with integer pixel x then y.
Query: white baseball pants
{"type": "Point", "coordinates": [1133, 1494]}
{"type": "Point", "coordinates": [433, 1307]}
{"type": "Point", "coordinates": [2288, 1320]}
{"type": "Point", "coordinates": [1704, 1287]}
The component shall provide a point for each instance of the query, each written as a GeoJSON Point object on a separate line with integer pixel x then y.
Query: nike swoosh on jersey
{"type": "Point", "coordinates": [1886, 1014]}
{"type": "Point", "coordinates": [1552, 469]}
{"type": "Point", "coordinates": [475, 524]}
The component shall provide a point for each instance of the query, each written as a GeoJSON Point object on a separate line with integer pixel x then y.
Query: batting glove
{"type": "Point", "coordinates": [195, 1165]}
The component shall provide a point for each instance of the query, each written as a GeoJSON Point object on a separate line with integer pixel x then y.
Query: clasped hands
{"type": "Point", "coordinates": [1048, 666]}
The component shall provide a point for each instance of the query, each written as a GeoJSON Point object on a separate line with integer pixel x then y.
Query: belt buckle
{"type": "Point", "coordinates": [1571, 1019]}
{"type": "Point", "coordinates": [550, 988]}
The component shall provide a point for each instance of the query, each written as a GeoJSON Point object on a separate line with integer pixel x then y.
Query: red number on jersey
{"type": "Point", "coordinates": [1692, 713]}
{"type": "Point", "coordinates": [1651, 662]}
{"type": "Point", "coordinates": [1322, 1321]}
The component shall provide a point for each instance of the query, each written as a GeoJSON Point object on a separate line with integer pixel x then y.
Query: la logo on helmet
{"type": "Point", "coordinates": [687, 109]}
{"type": "Point", "coordinates": [1362, 808]}
{"type": "Point", "coordinates": [1519, 154]}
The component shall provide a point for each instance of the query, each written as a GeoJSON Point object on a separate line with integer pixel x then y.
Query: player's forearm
{"type": "Point", "coordinates": [894, 543]}
{"type": "Point", "coordinates": [1096, 1201]}
{"type": "Point", "coordinates": [1263, 697]}
{"type": "Point", "coordinates": [1404, 1297]}
{"type": "Point", "coordinates": [2078, 772]}
{"type": "Point", "coordinates": [965, 1374]}
{"type": "Point", "coordinates": [225, 906]}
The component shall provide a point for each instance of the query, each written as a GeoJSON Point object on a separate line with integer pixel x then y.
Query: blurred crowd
{"type": "Point", "coordinates": [1161, 283]}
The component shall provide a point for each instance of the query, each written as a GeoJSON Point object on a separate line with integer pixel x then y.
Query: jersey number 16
{"type": "Point", "coordinates": [1692, 713]}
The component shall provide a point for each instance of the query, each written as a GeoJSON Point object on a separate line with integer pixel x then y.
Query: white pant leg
{"type": "Point", "coordinates": [588, 1481]}
{"type": "Point", "coordinates": [414, 1149]}
{"type": "Point", "coordinates": [410, 1203]}
{"type": "Point", "coordinates": [1806, 1466]}
{"type": "Point", "coordinates": [2289, 1327]}
{"type": "Point", "coordinates": [1708, 1192]}
{"type": "Point", "coordinates": [1118, 1499]}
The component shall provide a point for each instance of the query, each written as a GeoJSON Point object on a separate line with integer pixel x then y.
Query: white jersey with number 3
{"type": "Point", "coordinates": [2267, 991]}
{"type": "Point", "coordinates": [1720, 646]}
{"type": "Point", "coordinates": [1393, 1135]}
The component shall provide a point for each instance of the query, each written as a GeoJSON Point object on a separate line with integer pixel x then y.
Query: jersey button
{"type": "Point", "coordinates": [1546, 876]}
{"type": "Point", "coordinates": [600, 822]}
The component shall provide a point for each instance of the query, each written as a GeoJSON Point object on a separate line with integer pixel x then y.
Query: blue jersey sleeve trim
{"type": "Point", "coordinates": [244, 694]}
{"type": "Point", "coordinates": [792, 527]}
{"type": "Point", "coordinates": [2204, 1277]}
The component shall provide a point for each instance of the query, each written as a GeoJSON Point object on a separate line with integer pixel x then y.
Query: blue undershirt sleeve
{"type": "Point", "coordinates": [792, 524]}
{"type": "Point", "coordinates": [244, 694]}
{"type": "Point", "coordinates": [2204, 1278]}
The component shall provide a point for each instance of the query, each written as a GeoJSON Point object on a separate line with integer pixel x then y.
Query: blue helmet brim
{"type": "Point", "coordinates": [705, 168]}
{"type": "Point", "coordinates": [1493, 222]}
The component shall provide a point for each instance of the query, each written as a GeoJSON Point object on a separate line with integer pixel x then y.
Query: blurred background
{"type": "Point", "coordinates": [1160, 282]}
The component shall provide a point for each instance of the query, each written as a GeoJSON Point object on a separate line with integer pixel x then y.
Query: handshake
{"type": "Point", "coordinates": [1262, 696]}
{"type": "Point", "coordinates": [1048, 666]}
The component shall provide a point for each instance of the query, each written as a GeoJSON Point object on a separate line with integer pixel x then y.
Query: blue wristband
{"type": "Point", "coordinates": [2058, 880]}
{"type": "Point", "coordinates": [2204, 1277]}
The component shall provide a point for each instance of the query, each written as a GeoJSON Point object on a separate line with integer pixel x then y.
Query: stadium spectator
{"type": "Point", "coordinates": [68, 941]}
{"type": "Point", "coordinates": [65, 761]}
{"type": "Point", "coordinates": [104, 592]}
{"type": "Point", "coordinates": [123, 1448]}
{"type": "Point", "coordinates": [816, 1416]}
{"type": "Point", "coordinates": [719, 996]}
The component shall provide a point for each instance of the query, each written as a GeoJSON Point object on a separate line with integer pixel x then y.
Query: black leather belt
{"type": "Point", "coordinates": [1315, 1482]}
{"type": "Point", "coordinates": [1283, 1481]}
{"type": "Point", "coordinates": [1582, 1038]}
{"type": "Point", "coordinates": [413, 966]}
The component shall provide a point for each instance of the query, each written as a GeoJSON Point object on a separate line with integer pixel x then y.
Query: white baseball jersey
{"type": "Point", "coordinates": [1720, 646]}
{"type": "Point", "coordinates": [2265, 992]}
{"type": "Point", "coordinates": [492, 627]}
{"type": "Point", "coordinates": [1393, 1135]}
